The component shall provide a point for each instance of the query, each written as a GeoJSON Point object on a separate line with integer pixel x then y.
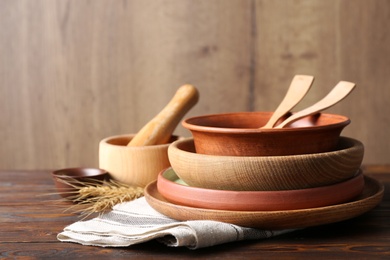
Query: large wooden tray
{"type": "Point", "coordinates": [286, 219]}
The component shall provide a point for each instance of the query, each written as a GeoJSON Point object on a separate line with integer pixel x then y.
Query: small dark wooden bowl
{"type": "Point", "coordinates": [239, 134]}
{"type": "Point", "coordinates": [78, 176]}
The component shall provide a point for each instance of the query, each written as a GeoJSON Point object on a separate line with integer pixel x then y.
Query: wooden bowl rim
{"type": "Point", "coordinates": [106, 142]}
{"type": "Point", "coordinates": [66, 179]}
{"type": "Point", "coordinates": [79, 172]}
{"type": "Point", "coordinates": [347, 144]}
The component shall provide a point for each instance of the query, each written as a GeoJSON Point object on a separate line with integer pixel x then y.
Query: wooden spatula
{"type": "Point", "coordinates": [299, 87]}
{"type": "Point", "coordinates": [338, 93]}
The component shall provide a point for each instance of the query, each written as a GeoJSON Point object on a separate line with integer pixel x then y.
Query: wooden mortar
{"type": "Point", "coordinates": [137, 165]}
{"type": "Point", "coordinates": [137, 159]}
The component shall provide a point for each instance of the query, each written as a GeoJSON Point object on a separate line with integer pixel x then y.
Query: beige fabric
{"type": "Point", "coordinates": [135, 222]}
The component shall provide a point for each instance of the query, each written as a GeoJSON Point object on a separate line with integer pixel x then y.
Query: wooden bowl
{"type": "Point", "coordinates": [133, 165]}
{"type": "Point", "coordinates": [239, 134]}
{"type": "Point", "coordinates": [174, 190]}
{"type": "Point", "coordinates": [65, 179]}
{"type": "Point", "coordinates": [265, 172]}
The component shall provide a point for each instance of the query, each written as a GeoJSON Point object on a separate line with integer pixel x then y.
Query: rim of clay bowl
{"type": "Point", "coordinates": [176, 191]}
{"type": "Point", "coordinates": [189, 124]}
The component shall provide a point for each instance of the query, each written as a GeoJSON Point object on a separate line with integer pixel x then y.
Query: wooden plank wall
{"type": "Point", "coordinates": [74, 72]}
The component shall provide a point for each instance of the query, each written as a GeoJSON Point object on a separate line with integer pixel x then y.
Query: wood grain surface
{"type": "Point", "coordinates": [75, 72]}
{"type": "Point", "coordinates": [29, 224]}
{"type": "Point", "coordinates": [266, 172]}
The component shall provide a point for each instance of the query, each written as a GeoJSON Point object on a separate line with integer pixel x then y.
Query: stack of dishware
{"type": "Point", "coordinates": [275, 172]}
{"type": "Point", "coordinates": [268, 170]}
{"type": "Point", "coordinates": [235, 170]}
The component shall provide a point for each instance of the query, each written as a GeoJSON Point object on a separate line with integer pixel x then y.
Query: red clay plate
{"type": "Point", "coordinates": [176, 191]}
{"type": "Point", "coordinates": [284, 219]}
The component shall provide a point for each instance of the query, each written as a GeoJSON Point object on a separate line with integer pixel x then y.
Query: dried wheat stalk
{"type": "Point", "coordinates": [99, 196]}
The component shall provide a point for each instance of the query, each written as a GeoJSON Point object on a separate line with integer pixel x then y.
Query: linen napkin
{"type": "Point", "coordinates": [136, 221]}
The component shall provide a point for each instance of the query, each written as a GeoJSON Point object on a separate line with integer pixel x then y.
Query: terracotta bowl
{"type": "Point", "coordinates": [239, 134]}
{"type": "Point", "coordinates": [135, 165]}
{"type": "Point", "coordinates": [77, 176]}
{"type": "Point", "coordinates": [174, 190]}
{"type": "Point", "coordinates": [266, 172]}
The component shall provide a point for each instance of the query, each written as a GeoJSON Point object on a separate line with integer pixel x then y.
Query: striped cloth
{"type": "Point", "coordinates": [135, 222]}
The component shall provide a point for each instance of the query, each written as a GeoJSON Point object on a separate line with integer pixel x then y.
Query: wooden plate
{"type": "Point", "coordinates": [286, 219]}
{"type": "Point", "coordinates": [170, 186]}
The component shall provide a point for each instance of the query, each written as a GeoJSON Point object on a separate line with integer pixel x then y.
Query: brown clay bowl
{"type": "Point", "coordinates": [174, 190]}
{"type": "Point", "coordinates": [76, 177]}
{"type": "Point", "coordinates": [265, 172]}
{"type": "Point", "coordinates": [239, 134]}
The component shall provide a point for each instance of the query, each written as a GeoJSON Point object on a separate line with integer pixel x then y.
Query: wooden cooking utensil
{"type": "Point", "coordinates": [161, 127]}
{"type": "Point", "coordinates": [338, 93]}
{"type": "Point", "coordinates": [299, 86]}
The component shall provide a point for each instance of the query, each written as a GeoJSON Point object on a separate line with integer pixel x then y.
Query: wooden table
{"type": "Point", "coordinates": [29, 224]}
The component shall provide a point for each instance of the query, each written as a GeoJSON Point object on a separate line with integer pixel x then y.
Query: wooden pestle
{"type": "Point", "coordinates": [161, 127]}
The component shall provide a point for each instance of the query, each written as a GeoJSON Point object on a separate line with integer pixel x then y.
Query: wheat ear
{"type": "Point", "coordinates": [100, 196]}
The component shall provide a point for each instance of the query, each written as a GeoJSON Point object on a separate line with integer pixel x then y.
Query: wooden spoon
{"type": "Point", "coordinates": [161, 127]}
{"type": "Point", "coordinates": [338, 93]}
{"type": "Point", "coordinates": [299, 86]}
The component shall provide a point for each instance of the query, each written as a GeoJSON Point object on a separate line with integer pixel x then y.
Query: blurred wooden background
{"type": "Point", "coordinates": [74, 72]}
